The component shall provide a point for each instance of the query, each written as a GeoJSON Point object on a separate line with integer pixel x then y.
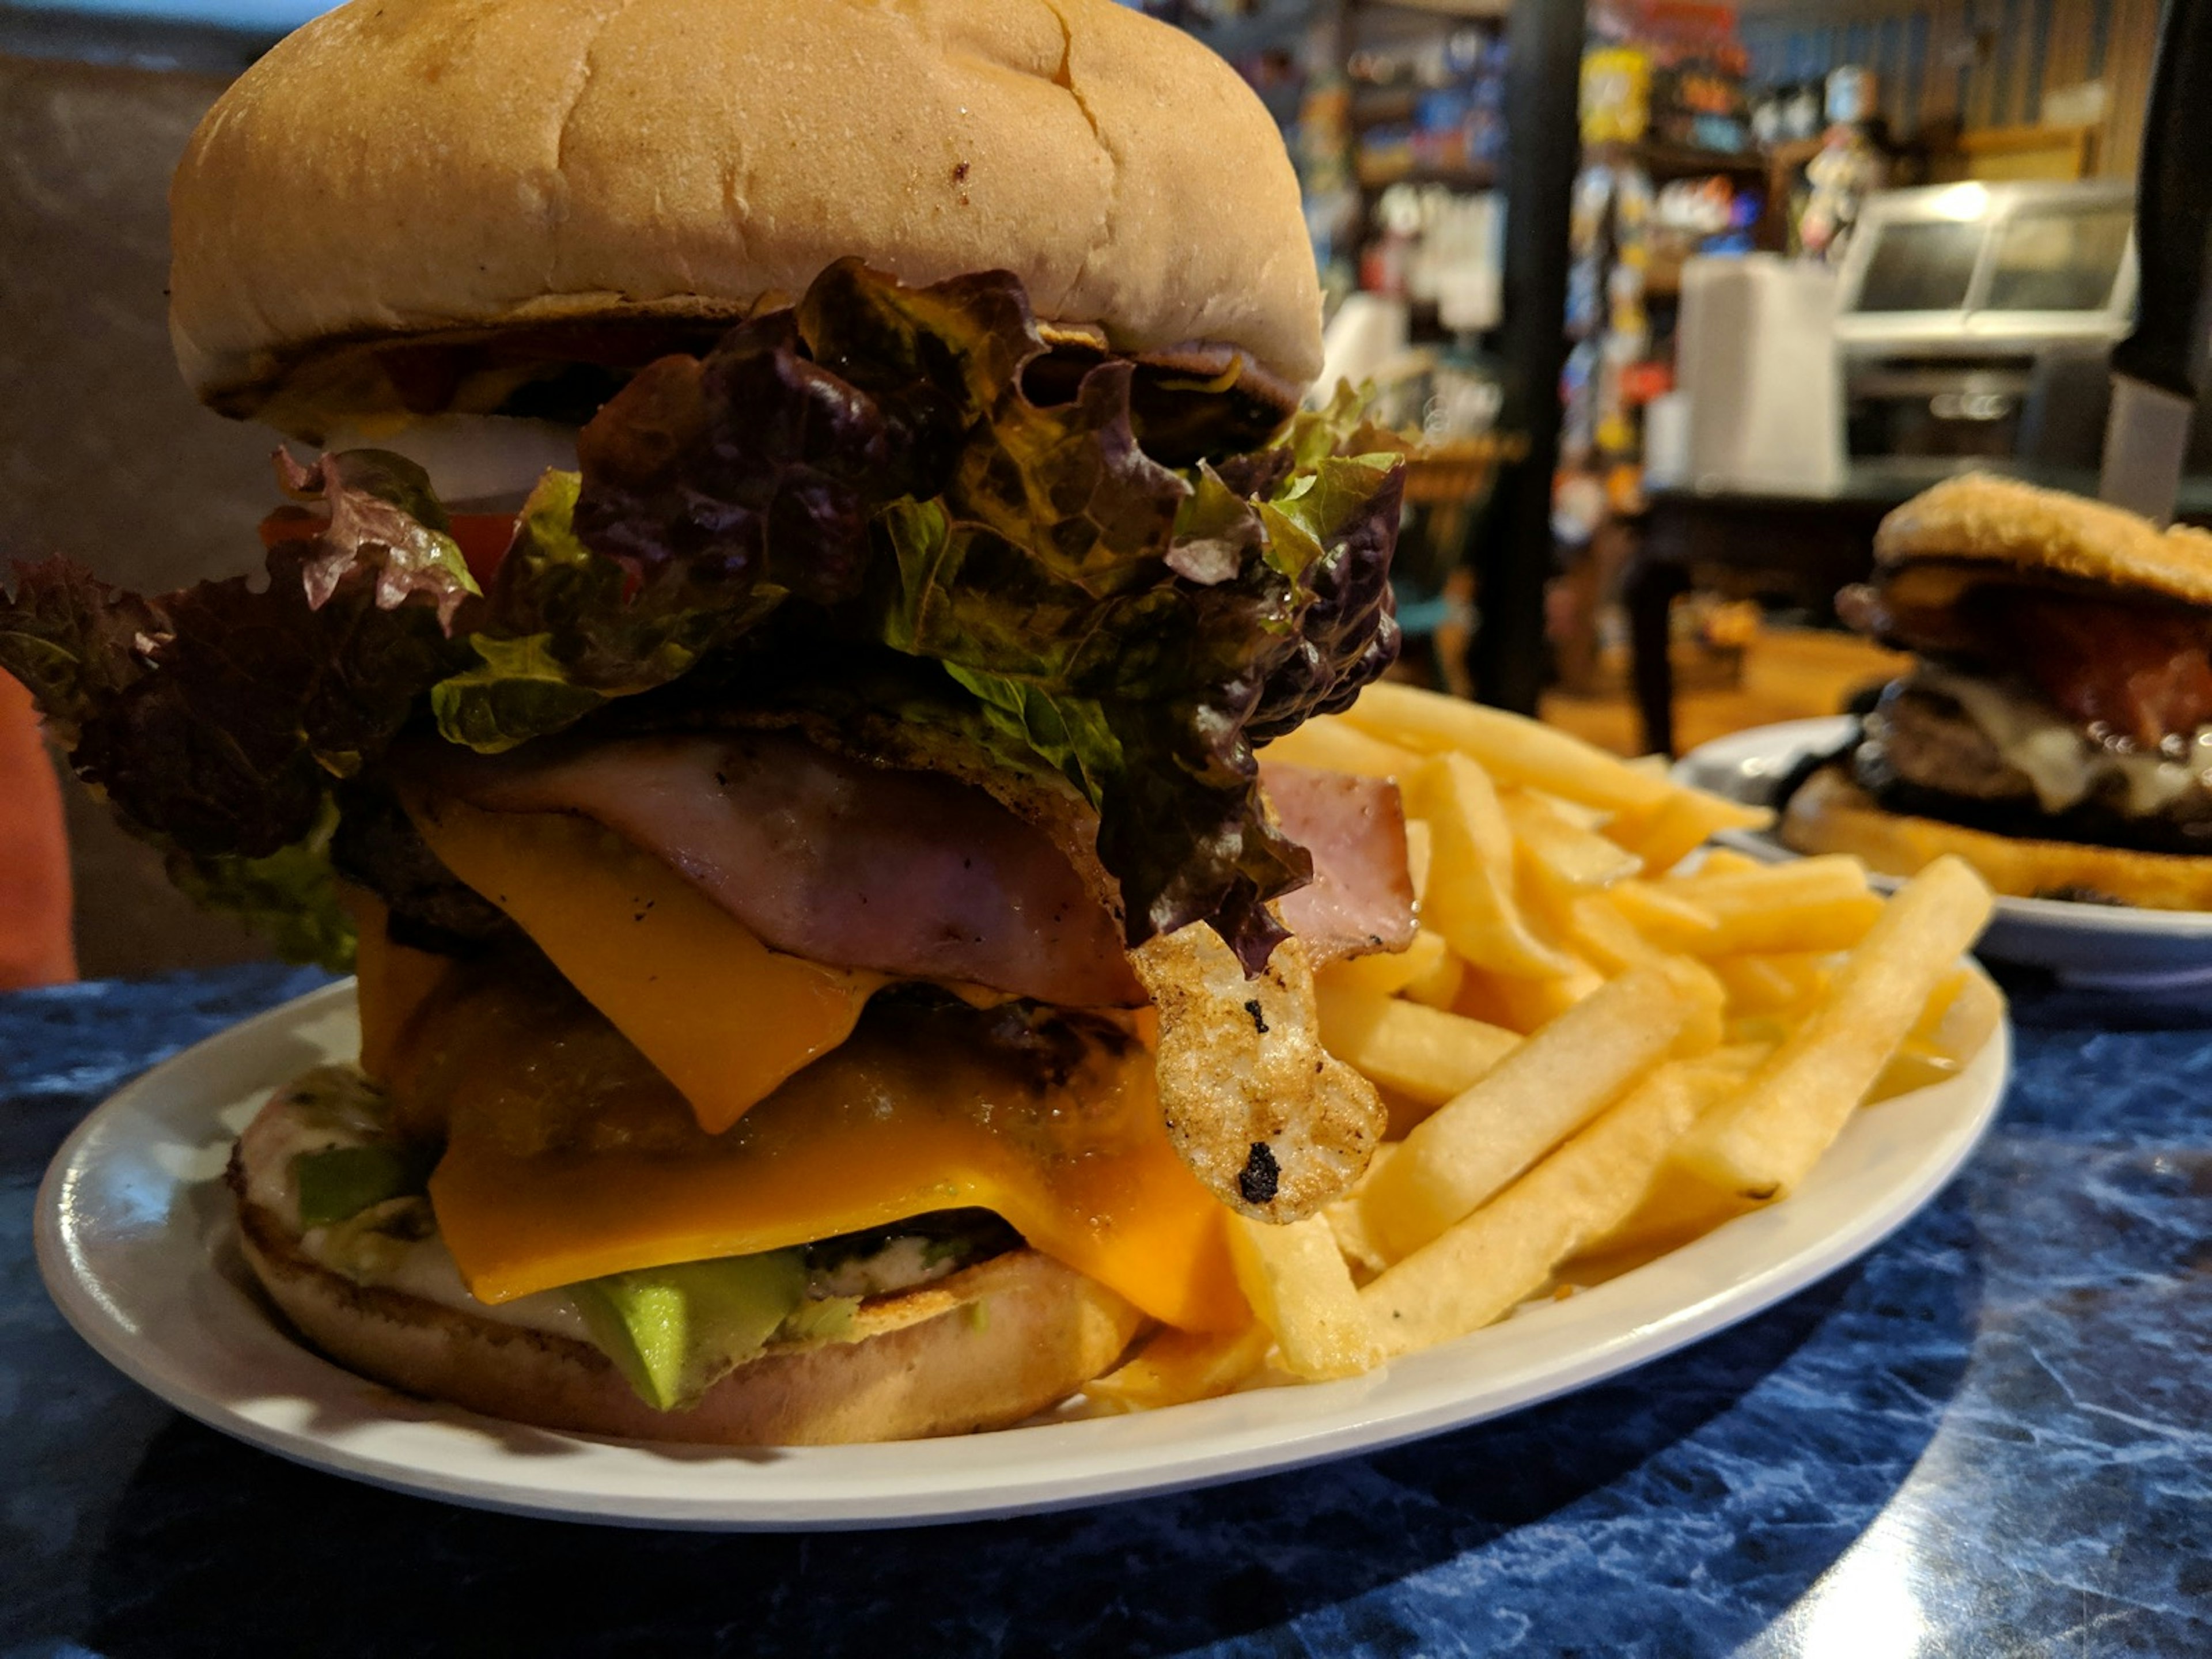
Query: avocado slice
{"type": "Point", "coordinates": [674, 1331]}
{"type": "Point", "coordinates": [341, 1181]}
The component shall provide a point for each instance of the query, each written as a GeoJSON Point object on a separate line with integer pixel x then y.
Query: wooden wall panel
{"type": "Point", "coordinates": [1976, 64]}
{"type": "Point", "coordinates": [2130, 49]}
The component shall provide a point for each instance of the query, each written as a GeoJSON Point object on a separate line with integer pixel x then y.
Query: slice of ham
{"type": "Point", "coordinates": [1361, 897]}
{"type": "Point", "coordinates": [911, 873]}
{"type": "Point", "coordinates": [914, 873]}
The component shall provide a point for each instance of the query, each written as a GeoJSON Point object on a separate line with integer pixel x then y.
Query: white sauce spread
{"type": "Point", "coordinates": [2061, 762]}
{"type": "Point", "coordinates": [334, 1106]}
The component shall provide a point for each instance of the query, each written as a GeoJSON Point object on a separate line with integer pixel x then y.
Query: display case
{"type": "Point", "coordinates": [1967, 308]}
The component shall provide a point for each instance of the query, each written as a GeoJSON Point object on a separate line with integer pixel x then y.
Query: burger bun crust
{"type": "Point", "coordinates": [1981, 520]}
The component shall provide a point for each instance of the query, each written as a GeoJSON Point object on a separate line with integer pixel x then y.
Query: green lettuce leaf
{"type": "Point", "coordinates": [290, 895]}
{"type": "Point", "coordinates": [216, 719]}
{"type": "Point", "coordinates": [865, 471]}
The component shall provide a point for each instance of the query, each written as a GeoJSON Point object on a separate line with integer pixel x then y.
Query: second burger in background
{"type": "Point", "coordinates": [2056, 729]}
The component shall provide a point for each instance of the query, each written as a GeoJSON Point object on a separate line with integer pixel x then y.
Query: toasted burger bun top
{"type": "Point", "coordinates": [2000, 521]}
{"type": "Point", "coordinates": [399, 167]}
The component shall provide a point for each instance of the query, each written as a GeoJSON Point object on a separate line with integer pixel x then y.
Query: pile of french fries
{"type": "Point", "coordinates": [1598, 1047]}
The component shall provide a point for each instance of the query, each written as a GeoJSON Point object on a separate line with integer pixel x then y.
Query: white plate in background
{"type": "Point", "coordinates": [2100, 946]}
{"type": "Point", "coordinates": [137, 1245]}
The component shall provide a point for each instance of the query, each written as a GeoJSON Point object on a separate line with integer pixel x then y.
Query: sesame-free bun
{"type": "Point", "coordinates": [405, 168]}
{"type": "Point", "coordinates": [1981, 520]}
{"type": "Point", "coordinates": [984, 1348]}
{"type": "Point", "coordinates": [1829, 813]}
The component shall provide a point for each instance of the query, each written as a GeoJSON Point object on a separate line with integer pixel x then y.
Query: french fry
{"type": "Point", "coordinates": [1708, 1024]}
{"type": "Point", "coordinates": [1479, 999]}
{"type": "Point", "coordinates": [1806, 881]}
{"type": "Point", "coordinates": [1510, 748]}
{"type": "Point", "coordinates": [1817, 904]}
{"type": "Point", "coordinates": [1297, 1282]}
{"type": "Point", "coordinates": [1563, 851]}
{"type": "Point", "coordinates": [1970, 1018]}
{"type": "Point", "coordinates": [1727, 862]}
{"type": "Point", "coordinates": [1175, 1366]}
{"type": "Point", "coordinates": [1583, 817]}
{"type": "Point", "coordinates": [1676, 1208]}
{"type": "Point", "coordinates": [1470, 898]}
{"type": "Point", "coordinates": [1772, 983]}
{"type": "Point", "coordinates": [1349, 1222]}
{"type": "Point", "coordinates": [1386, 973]}
{"type": "Point", "coordinates": [1661, 916]}
{"type": "Point", "coordinates": [1603, 936]}
{"type": "Point", "coordinates": [1484, 1266]}
{"type": "Point", "coordinates": [1438, 985]}
{"type": "Point", "coordinates": [1330, 744]}
{"type": "Point", "coordinates": [1420, 853]}
{"type": "Point", "coordinates": [1761, 1144]}
{"type": "Point", "coordinates": [1426, 1053]}
{"type": "Point", "coordinates": [1543, 1092]}
{"type": "Point", "coordinates": [1947, 990]}
{"type": "Point", "coordinates": [1664, 834]}
{"type": "Point", "coordinates": [1528, 1004]}
{"type": "Point", "coordinates": [1826, 925]}
{"type": "Point", "coordinates": [1958, 1019]}
{"type": "Point", "coordinates": [1735, 1061]}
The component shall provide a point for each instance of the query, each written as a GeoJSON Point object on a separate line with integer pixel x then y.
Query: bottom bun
{"type": "Point", "coordinates": [1829, 813]}
{"type": "Point", "coordinates": [982, 1349]}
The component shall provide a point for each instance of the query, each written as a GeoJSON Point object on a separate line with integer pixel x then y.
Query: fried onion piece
{"type": "Point", "coordinates": [1272, 1125]}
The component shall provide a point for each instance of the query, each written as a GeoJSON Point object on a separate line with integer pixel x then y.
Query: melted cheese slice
{"type": "Point", "coordinates": [2061, 762]}
{"type": "Point", "coordinates": [392, 982]}
{"type": "Point", "coordinates": [885, 1128]}
{"type": "Point", "coordinates": [724, 1017]}
{"type": "Point", "coordinates": [814, 1135]}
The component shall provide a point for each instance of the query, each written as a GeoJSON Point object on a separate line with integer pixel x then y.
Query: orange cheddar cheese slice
{"type": "Point", "coordinates": [723, 1017]}
{"type": "Point", "coordinates": [879, 1131]}
{"type": "Point", "coordinates": [393, 981]}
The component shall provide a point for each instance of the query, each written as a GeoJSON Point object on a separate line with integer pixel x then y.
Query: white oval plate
{"type": "Point", "coordinates": [136, 1243]}
{"type": "Point", "coordinates": [2098, 946]}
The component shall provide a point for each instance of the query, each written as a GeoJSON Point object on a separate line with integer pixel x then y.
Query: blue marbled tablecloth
{"type": "Point", "coordinates": [1991, 1437]}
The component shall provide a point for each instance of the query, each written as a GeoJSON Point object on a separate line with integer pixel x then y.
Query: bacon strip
{"type": "Point", "coordinates": [2139, 670]}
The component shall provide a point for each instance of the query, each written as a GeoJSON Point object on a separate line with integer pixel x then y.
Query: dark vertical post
{"type": "Point", "coordinates": [1543, 142]}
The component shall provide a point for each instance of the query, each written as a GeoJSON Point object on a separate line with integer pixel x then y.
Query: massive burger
{"type": "Point", "coordinates": [807, 531]}
{"type": "Point", "coordinates": [2056, 730]}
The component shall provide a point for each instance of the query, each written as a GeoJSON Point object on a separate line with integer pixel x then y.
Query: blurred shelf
{"type": "Point", "coordinates": [1664, 161]}
{"type": "Point", "coordinates": [1282, 25]}
{"type": "Point", "coordinates": [1373, 179]}
{"type": "Point", "coordinates": [1283, 101]}
{"type": "Point", "coordinates": [1474, 9]}
{"type": "Point", "coordinates": [1374, 106]}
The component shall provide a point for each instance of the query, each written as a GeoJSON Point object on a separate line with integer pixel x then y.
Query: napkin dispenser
{"type": "Point", "coordinates": [1756, 353]}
